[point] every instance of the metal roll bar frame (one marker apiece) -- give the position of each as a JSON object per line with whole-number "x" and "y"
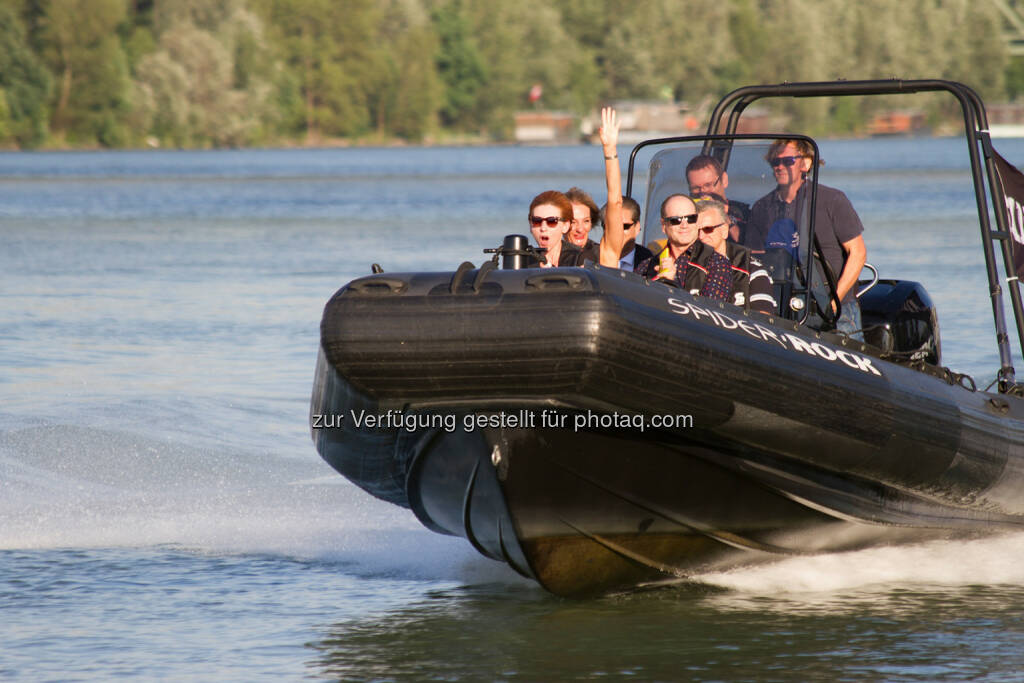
{"x": 812, "y": 244}
{"x": 979, "y": 144}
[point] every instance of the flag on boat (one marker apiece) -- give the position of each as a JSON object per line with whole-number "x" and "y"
{"x": 1012, "y": 181}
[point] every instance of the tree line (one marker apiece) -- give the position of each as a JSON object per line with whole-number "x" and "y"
{"x": 223, "y": 73}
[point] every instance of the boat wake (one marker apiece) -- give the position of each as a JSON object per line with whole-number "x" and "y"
{"x": 75, "y": 487}
{"x": 924, "y": 567}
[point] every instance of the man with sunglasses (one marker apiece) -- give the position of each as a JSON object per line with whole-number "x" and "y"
{"x": 751, "y": 283}
{"x": 837, "y": 226}
{"x": 705, "y": 175}
{"x": 632, "y": 253}
{"x": 686, "y": 261}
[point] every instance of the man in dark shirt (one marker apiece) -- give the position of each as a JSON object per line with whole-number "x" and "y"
{"x": 705, "y": 176}
{"x": 836, "y": 224}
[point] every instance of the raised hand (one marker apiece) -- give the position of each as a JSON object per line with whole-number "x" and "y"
{"x": 609, "y": 131}
{"x": 614, "y": 235}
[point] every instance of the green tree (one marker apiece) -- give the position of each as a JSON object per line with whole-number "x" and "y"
{"x": 327, "y": 47}
{"x": 24, "y": 85}
{"x": 747, "y": 44}
{"x": 523, "y": 45}
{"x": 161, "y": 110}
{"x": 460, "y": 68}
{"x": 230, "y": 72}
{"x": 137, "y": 32}
{"x": 204, "y": 85}
{"x": 981, "y": 57}
{"x": 81, "y": 44}
{"x": 1015, "y": 78}
{"x": 407, "y": 95}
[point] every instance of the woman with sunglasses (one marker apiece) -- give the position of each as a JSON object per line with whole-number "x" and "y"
{"x": 550, "y": 216}
{"x": 551, "y": 212}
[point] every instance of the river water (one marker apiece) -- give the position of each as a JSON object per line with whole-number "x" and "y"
{"x": 164, "y": 515}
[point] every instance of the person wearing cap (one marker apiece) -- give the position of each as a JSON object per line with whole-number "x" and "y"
{"x": 837, "y": 226}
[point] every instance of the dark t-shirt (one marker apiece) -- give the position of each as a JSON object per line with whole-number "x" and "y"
{"x": 835, "y": 222}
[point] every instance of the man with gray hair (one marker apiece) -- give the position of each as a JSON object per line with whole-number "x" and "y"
{"x": 751, "y": 285}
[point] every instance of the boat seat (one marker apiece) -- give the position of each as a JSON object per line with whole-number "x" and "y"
{"x": 779, "y": 264}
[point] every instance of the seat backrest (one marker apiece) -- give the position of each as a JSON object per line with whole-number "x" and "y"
{"x": 779, "y": 264}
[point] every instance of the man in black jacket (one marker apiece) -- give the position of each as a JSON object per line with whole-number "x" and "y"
{"x": 632, "y": 253}
{"x": 686, "y": 261}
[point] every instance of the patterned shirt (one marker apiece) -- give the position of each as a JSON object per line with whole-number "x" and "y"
{"x": 714, "y": 278}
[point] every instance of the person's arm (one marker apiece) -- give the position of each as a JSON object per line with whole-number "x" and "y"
{"x": 613, "y": 237}
{"x": 856, "y": 256}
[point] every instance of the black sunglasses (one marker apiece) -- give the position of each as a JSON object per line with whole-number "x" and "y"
{"x": 784, "y": 161}
{"x": 552, "y": 221}
{"x": 676, "y": 220}
{"x": 707, "y": 230}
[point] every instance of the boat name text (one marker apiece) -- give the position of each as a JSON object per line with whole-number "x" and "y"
{"x": 790, "y": 342}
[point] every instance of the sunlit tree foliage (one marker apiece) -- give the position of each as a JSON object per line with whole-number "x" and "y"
{"x": 24, "y": 85}
{"x": 81, "y": 46}
{"x": 238, "y": 72}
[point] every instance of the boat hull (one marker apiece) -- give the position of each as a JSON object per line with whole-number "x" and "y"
{"x": 598, "y": 432}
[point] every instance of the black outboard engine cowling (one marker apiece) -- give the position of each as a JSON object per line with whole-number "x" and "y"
{"x": 899, "y": 317}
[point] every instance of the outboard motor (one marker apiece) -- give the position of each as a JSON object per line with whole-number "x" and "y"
{"x": 899, "y": 317}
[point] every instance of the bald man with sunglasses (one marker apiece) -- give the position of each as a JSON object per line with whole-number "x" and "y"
{"x": 686, "y": 261}
{"x": 837, "y": 226}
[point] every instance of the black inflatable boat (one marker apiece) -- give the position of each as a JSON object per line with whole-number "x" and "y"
{"x": 599, "y": 432}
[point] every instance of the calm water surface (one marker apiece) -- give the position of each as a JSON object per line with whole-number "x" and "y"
{"x": 164, "y": 515}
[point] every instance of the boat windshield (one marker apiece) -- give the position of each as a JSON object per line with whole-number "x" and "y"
{"x": 779, "y": 241}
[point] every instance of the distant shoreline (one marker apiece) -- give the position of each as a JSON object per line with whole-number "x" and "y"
{"x": 336, "y": 144}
